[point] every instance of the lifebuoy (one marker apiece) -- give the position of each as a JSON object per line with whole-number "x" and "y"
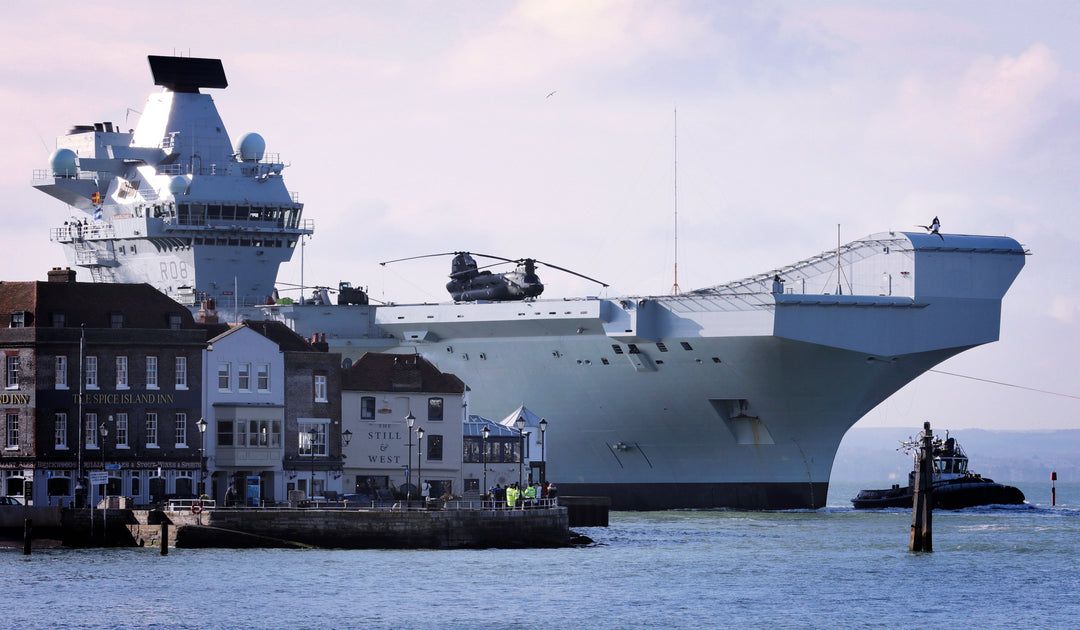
{"x": 196, "y": 508}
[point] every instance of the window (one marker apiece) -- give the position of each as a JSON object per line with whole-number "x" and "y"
{"x": 59, "y": 320}
{"x": 90, "y": 436}
{"x": 151, "y": 430}
{"x": 116, "y": 320}
{"x": 367, "y": 408}
{"x": 258, "y": 433}
{"x": 181, "y": 430}
{"x": 243, "y": 377}
{"x": 91, "y": 372}
{"x": 434, "y": 409}
{"x": 225, "y": 432}
{"x": 121, "y": 372}
{"x": 18, "y": 319}
{"x": 181, "y": 372}
{"x": 61, "y": 372}
{"x": 307, "y": 445}
{"x": 12, "y": 431}
{"x": 121, "y": 430}
{"x": 320, "y": 388}
{"x": 151, "y": 372}
{"x": 223, "y": 371}
{"x": 13, "y": 372}
{"x": 262, "y": 377}
{"x": 60, "y": 431}
{"x": 434, "y": 447}
{"x": 174, "y": 318}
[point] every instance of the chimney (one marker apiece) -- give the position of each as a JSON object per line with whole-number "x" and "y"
{"x": 57, "y": 274}
{"x": 207, "y": 314}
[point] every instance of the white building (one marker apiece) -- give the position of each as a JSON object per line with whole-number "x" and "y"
{"x": 244, "y": 393}
{"x": 380, "y": 393}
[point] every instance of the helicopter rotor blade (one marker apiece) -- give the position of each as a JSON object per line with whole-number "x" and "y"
{"x": 387, "y": 262}
{"x": 509, "y": 260}
{"x": 573, "y": 273}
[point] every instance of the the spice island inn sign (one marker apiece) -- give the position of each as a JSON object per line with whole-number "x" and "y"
{"x": 152, "y": 399}
{"x": 14, "y": 398}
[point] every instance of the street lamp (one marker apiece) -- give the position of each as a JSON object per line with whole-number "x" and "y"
{"x": 419, "y": 462}
{"x": 520, "y": 425}
{"x": 346, "y": 437}
{"x": 202, "y": 456}
{"x": 543, "y": 460}
{"x": 485, "y": 432}
{"x": 409, "y": 420}
{"x": 312, "y": 434}
{"x": 104, "y": 430}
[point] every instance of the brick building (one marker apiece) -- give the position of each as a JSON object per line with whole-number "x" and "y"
{"x": 312, "y": 440}
{"x": 98, "y": 377}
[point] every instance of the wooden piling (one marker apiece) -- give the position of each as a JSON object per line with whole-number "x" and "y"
{"x": 1053, "y": 489}
{"x": 164, "y": 538}
{"x": 922, "y": 538}
{"x": 28, "y": 536}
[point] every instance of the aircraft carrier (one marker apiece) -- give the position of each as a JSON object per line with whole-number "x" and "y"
{"x": 735, "y": 395}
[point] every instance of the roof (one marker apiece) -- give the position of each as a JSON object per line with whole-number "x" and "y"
{"x": 286, "y": 338}
{"x": 531, "y": 419}
{"x": 376, "y": 372}
{"x": 476, "y": 424}
{"x": 92, "y": 304}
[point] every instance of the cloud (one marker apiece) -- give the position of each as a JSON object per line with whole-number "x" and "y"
{"x": 1065, "y": 308}
{"x": 979, "y": 116}
{"x": 539, "y": 42}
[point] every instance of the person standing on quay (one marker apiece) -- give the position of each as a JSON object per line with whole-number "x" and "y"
{"x": 511, "y": 496}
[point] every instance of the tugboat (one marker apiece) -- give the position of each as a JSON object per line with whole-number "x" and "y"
{"x": 954, "y": 486}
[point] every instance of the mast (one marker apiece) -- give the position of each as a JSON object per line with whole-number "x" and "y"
{"x": 839, "y": 284}
{"x": 675, "y": 288}
{"x": 80, "y": 421}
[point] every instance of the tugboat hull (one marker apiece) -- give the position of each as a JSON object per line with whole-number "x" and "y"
{"x": 954, "y": 495}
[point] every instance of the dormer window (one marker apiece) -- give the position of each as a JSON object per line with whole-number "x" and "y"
{"x": 175, "y": 321}
{"x": 116, "y": 320}
{"x": 19, "y": 319}
{"x": 59, "y": 320}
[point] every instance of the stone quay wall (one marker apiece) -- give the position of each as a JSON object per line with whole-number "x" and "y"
{"x": 362, "y": 529}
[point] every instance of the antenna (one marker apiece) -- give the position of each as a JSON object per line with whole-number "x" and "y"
{"x": 675, "y": 288}
{"x": 839, "y": 283}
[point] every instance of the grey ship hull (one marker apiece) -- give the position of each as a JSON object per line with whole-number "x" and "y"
{"x": 734, "y": 396}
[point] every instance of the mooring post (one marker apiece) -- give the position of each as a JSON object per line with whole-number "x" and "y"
{"x": 923, "y": 501}
{"x": 28, "y": 535}
{"x": 164, "y": 538}
{"x": 1053, "y": 489}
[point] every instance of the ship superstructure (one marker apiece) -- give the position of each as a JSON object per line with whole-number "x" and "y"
{"x": 736, "y": 395}
{"x": 173, "y": 202}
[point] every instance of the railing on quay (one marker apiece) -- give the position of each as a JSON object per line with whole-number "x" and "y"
{"x": 190, "y": 505}
{"x": 474, "y": 505}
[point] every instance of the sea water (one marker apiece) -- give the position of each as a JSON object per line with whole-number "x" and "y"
{"x": 831, "y": 568}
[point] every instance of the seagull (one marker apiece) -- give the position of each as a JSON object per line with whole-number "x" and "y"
{"x": 551, "y": 93}
{"x": 934, "y": 228}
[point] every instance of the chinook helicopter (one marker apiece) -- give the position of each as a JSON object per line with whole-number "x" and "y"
{"x": 470, "y": 283}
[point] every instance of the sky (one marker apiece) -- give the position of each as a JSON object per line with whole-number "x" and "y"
{"x": 576, "y": 132}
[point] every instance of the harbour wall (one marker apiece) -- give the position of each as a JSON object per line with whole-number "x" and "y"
{"x": 358, "y": 529}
